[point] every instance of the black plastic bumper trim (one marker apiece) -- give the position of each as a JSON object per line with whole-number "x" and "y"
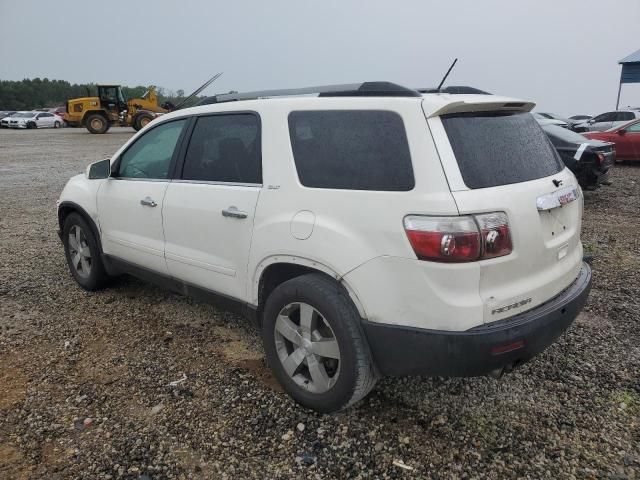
{"x": 400, "y": 351}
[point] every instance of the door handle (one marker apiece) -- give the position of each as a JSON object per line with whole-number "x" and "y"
{"x": 148, "y": 202}
{"x": 233, "y": 212}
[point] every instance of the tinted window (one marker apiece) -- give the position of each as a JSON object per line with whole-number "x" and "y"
{"x": 633, "y": 128}
{"x": 351, "y": 149}
{"x": 150, "y": 156}
{"x": 500, "y": 148}
{"x": 225, "y": 148}
{"x": 605, "y": 117}
{"x": 624, "y": 116}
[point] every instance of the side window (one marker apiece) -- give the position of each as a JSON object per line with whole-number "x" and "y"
{"x": 351, "y": 149}
{"x": 225, "y": 148}
{"x": 150, "y": 155}
{"x": 634, "y": 128}
{"x": 605, "y": 117}
{"x": 624, "y": 116}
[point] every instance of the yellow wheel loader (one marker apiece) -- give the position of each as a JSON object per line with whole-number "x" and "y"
{"x": 110, "y": 108}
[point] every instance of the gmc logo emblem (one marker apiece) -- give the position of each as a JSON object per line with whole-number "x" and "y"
{"x": 506, "y": 308}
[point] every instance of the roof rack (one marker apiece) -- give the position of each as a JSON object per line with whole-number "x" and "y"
{"x": 455, "y": 90}
{"x": 365, "y": 89}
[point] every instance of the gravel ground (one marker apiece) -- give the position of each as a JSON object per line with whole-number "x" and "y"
{"x": 85, "y": 378}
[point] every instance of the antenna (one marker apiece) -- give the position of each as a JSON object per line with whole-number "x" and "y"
{"x": 205, "y": 85}
{"x": 446, "y": 75}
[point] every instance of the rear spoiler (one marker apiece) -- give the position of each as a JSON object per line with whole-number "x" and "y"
{"x": 461, "y": 106}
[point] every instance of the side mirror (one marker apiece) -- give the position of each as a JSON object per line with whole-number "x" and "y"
{"x": 622, "y": 132}
{"x": 591, "y": 120}
{"x": 99, "y": 170}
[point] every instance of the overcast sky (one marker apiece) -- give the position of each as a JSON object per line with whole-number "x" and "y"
{"x": 561, "y": 54}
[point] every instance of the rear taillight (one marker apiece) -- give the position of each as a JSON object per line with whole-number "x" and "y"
{"x": 496, "y": 237}
{"x": 459, "y": 239}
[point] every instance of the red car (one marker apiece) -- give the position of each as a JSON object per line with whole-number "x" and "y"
{"x": 626, "y": 137}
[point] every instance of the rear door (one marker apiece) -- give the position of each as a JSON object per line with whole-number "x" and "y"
{"x": 209, "y": 211}
{"x": 497, "y": 161}
{"x": 130, "y": 201}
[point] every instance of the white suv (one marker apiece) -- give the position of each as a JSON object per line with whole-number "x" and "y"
{"x": 368, "y": 229}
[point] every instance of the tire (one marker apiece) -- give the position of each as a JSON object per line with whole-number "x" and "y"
{"x": 334, "y": 317}
{"x": 141, "y": 120}
{"x": 97, "y": 123}
{"x": 84, "y": 264}
{"x": 56, "y": 124}
{"x": 31, "y": 125}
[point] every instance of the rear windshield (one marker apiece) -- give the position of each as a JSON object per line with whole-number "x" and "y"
{"x": 500, "y": 148}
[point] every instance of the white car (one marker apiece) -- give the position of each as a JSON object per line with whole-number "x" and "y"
{"x": 369, "y": 230}
{"x": 545, "y": 120}
{"x": 608, "y": 120}
{"x": 34, "y": 120}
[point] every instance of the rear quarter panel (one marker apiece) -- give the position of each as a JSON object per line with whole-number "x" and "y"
{"x": 349, "y": 227}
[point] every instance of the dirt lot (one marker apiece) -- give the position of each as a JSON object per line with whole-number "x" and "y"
{"x": 85, "y": 377}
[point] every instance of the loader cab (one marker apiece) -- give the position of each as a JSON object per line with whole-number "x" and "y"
{"x": 111, "y": 97}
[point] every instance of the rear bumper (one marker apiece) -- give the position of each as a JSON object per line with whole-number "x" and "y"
{"x": 400, "y": 351}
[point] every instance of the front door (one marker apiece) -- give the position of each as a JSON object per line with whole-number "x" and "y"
{"x": 628, "y": 144}
{"x": 130, "y": 201}
{"x": 209, "y": 210}
{"x": 602, "y": 122}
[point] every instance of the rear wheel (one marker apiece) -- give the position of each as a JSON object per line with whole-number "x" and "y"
{"x": 315, "y": 345}
{"x": 83, "y": 254}
{"x": 97, "y": 123}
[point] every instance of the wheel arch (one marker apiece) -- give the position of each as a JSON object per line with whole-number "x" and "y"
{"x": 66, "y": 208}
{"x": 277, "y": 269}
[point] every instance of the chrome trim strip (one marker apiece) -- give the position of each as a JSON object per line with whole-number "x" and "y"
{"x": 211, "y": 182}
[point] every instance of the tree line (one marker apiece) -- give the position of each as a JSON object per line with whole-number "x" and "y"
{"x": 29, "y": 94}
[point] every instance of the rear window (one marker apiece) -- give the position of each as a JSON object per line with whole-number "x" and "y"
{"x": 561, "y": 136}
{"x": 496, "y": 148}
{"x": 351, "y": 149}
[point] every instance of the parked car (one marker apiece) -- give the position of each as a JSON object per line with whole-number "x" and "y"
{"x": 626, "y": 138}
{"x": 4, "y": 118}
{"x": 608, "y": 120}
{"x": 589, "y": 160}
{"x": 369, "y": 230}
{"x": 59, "y": 111}
{"x": 35, "y": 120}
{"x": 553, "y": 116}
{"x": 543, "y": 120}
{"x": 581, "y": 118}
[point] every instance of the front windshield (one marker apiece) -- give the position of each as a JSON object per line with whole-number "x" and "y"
{"x": 25, "y": 115}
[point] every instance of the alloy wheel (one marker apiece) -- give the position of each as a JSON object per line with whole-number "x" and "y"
{"x": 79, "y": 251}
{"x": 307, "y": 347}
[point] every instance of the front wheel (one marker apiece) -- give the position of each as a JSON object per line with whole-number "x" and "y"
{"x": 56, "y": 124}
{"x": 141, "y": 120}
{"x": 315, "y": 345}
{"x": 83, "y": 254}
